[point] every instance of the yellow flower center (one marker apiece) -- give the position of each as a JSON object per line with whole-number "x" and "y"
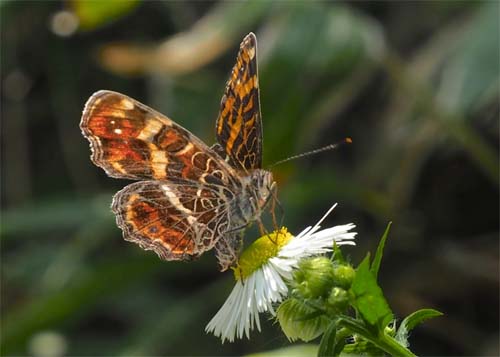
{"x": 260, "y": 251}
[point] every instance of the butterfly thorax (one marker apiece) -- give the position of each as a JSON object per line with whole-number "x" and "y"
{"x": 257, "y": 189}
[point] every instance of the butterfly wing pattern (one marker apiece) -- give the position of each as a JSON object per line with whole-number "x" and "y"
{"x": 239, "y": 125}
{"x": 188, "y": 198}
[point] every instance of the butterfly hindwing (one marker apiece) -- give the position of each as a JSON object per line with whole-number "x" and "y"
{"x": 179, "y": 221}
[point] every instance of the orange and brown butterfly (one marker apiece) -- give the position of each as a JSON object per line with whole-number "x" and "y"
{"x": 188, "y": 198}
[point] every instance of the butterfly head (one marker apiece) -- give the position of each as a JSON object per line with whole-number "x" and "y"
{"x": 265, "y": 188}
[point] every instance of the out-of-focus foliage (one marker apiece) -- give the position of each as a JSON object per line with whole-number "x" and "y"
{"x": 415, "y": 85}
{"x": 470, "y": 77}
{"x": 93, "y": 13}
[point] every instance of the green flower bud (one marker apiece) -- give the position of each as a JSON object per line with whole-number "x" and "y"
{"x": 390, "y": 329}
{"x": 343, "y": 275}
{"x": 300, "y": 321}
{"x": 314, "y": 277}
{"x": 338, "y": 300}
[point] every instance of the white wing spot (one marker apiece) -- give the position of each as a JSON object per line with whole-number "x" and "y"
{"x": 186, "y": 149}
{"x": 174, "y": 200}
{"x": 118, "y": 167}
{"x": 251, "y": 52}
{"x": 118, "y": 131}
{"x": 152, "y": 128}
{"x": 159, "y": 162}
{"x": 127, "y": 104}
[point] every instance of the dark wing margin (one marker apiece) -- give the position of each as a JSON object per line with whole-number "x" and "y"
{"x": 239, "y": 125}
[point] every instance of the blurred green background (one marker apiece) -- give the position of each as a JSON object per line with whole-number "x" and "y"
{"x": 414, "y": 84}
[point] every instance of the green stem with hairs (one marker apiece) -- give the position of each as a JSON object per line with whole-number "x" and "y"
{"x": 381, "y": 340}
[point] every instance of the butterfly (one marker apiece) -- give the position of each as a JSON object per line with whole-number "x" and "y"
{"x": 189, "y": 197}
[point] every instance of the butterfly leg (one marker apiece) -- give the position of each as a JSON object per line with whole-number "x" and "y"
{"x": 282, "y": 212}
{"x": 227, "y": 250}
{"x": 273, "y": 214}
{"x": 263, "y": 231}
{"x": 276, "y": 203}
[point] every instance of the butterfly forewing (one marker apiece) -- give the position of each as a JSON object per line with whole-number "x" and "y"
{"x": 130, "y": 140}
{"x": 239, "y": 124}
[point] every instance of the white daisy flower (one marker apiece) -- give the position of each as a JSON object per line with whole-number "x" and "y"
{"x": 263, "y": 270}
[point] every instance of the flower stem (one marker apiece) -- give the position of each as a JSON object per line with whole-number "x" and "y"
{"x": 381, "y": 340}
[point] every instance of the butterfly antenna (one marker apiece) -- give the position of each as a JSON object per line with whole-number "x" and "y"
{"x": 313, "y": 152}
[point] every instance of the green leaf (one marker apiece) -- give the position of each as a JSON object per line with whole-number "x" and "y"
{"x": 337, "y": 255}
{"x": 380, "y": 252}
{"x": 413, "y": 320}
{"x": 368, "y": 297}
{"x": 470, "y": 75}
{"x": 328, "y": 341}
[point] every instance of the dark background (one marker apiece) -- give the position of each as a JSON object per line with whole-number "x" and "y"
{"x": 414, "y": 84}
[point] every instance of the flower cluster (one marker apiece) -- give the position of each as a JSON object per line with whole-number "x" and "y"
{"x": 264, "y": 272}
